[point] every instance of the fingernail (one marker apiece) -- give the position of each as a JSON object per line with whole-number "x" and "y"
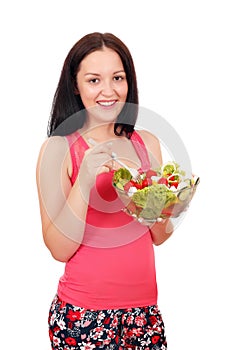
{"x": 92, "y": 142}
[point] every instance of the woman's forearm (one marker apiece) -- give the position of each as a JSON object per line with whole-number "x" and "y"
{"x": 64, "y": 234}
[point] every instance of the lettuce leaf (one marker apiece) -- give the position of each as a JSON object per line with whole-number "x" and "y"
{"x": 120, "y": 174}
{"x": 153, "y": 199}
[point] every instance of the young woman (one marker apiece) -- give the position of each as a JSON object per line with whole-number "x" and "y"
{"x": 107, "y": 296}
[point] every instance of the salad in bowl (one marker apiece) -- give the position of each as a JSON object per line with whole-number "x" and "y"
{"x": 158, "y": 194}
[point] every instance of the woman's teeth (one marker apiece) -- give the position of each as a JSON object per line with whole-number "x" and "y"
{"x": 106, "y": 103}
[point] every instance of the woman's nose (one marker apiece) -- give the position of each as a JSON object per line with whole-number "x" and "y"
{"x": 107, "y": 88}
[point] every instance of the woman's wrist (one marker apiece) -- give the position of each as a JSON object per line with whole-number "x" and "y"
{"x": 161, "y": 231}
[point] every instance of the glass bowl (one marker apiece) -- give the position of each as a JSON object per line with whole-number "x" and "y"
{"x": 156, "y": 201}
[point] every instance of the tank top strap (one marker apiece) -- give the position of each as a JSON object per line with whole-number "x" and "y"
{"x": 141, "y": 150}
{"x": 77, "y": 147}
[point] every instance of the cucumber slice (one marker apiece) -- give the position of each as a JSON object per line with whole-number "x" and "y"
{"x": 120, "y": 186}
{"x": 184, "y": 193}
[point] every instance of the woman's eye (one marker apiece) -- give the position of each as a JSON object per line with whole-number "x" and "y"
{"x": 94, "y": 81}
{"x": 118, "y": 78}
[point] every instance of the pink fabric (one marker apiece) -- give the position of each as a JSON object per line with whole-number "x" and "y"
{"x": 114, "y": 266}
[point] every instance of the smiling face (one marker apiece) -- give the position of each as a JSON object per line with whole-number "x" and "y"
{"x": 102, "y": 85}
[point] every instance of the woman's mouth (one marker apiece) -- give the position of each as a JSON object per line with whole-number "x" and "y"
{"x": 107, "y": 103}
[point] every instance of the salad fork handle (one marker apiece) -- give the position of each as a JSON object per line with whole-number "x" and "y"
{"x": 114, "y": 157}
{"x": 135, "y": 174}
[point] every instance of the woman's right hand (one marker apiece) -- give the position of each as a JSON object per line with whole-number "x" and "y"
{"x": 96, "y": 160}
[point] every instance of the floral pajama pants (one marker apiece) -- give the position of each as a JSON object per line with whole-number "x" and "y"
{"x": 73, "y": 328}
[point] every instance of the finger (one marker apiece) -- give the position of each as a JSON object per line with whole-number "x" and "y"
{"x": 103, "y": 169}
{"x": 98, "y": 159}
{"x": 102, "y": 160}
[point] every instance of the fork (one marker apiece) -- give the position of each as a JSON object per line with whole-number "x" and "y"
{"x": 134, "y": 172}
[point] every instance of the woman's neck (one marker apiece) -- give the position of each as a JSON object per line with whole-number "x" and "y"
{"x": 99, "y": 133}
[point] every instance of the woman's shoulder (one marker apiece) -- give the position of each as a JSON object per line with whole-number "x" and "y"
{"x": 53, "y": 144}
{"x": 54, "y": 147}
{"x": 149, "y": 139}
{"x": 152, "y": 143}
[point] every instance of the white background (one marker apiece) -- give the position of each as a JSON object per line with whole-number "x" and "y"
{"x": 183, "y": 56}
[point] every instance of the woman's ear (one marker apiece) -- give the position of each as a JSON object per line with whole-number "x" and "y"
{"x": 76, "y": 90}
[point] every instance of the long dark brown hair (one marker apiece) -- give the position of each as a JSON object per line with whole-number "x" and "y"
{"x": 66, "y": 103}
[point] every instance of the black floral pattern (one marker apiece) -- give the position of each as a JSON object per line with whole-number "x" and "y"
{"x": 73, "y": 328}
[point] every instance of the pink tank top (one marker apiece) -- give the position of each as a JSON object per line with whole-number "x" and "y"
{"x": 114, "y": 266}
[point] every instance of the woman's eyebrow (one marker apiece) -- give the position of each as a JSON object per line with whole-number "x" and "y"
{"x": 92, "y": 74}
{"x": 119, "y": 71}
{"x": 97, "y": 74}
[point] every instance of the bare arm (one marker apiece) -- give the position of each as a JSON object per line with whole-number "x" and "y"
{"x": 160, "y": 231}
{"x": 63, "y": 207}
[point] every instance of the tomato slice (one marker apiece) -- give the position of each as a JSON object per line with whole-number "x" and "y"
{"x": 138, "y": 185}
{"x": 163, "y": 181}
{"x": 146, "y": 182}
